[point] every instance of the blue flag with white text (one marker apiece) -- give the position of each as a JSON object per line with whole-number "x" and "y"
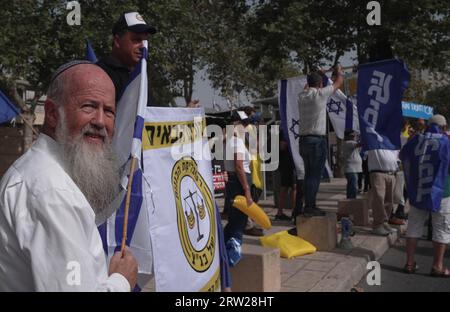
{"x": 426, "y": 159}
{"x": 7, "y": 109}
{"x": 380, "y": 91}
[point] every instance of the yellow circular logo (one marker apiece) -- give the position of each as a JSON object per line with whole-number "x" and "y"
{"x": 195, "y": 214}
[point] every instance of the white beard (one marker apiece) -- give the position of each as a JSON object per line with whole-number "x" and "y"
{"x": 92, "y": 167}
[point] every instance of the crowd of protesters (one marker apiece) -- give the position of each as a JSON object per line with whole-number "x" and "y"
{"x": 384, "y": 177}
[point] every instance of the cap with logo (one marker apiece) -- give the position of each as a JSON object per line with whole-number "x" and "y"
{"x": 438, "y": 120}
{"x": 134, "y": 22}
{"x": 237, "y": 115}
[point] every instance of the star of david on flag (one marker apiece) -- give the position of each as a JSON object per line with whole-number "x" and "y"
{"x": 342, "y": 112}
{"x": 295, "y": 128}
{"x": 334, "y": 106}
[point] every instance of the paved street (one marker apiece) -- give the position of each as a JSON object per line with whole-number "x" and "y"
{"x": 394, "y": 280}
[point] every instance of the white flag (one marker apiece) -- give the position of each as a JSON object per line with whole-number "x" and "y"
{"x": 183, "y": 226}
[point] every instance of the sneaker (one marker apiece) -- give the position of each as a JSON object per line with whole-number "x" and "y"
{"x": 445, "y": 272}
{"x": 293, "y": 231}
{"x": 282, "y": 217}
{"x": 254, "y": 231}
{"x": 396, "y": 221}
{"x": 380, "y": 231}
{"x": 401, "y": 215}
{"x": 313, "y": 212}
{"x": 389, "y": 228}
{"x": 233, "y": 247}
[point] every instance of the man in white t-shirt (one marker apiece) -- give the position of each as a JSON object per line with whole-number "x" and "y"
{"x": 237, "y": 164}
{"x": 313, "y": 145}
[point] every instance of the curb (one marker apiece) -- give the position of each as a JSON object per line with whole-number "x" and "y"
{"x": 349, "y": 272}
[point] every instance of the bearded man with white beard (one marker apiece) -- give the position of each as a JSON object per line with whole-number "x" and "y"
{"x": 51, "y": 197}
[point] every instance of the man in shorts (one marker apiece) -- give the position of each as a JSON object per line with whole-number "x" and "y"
{"x": 426, "y": 160}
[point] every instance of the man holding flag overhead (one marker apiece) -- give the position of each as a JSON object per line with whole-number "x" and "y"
{"x": 48, "y": 213}
{"x": 313, "y": 147}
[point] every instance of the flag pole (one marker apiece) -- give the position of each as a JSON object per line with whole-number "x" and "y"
{"x": 343, "y": 68}
{"x": 127, "y": 204}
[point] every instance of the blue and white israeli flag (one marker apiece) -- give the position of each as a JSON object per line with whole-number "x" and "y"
{"x": 127, "y": 143}
{"x": 288, "y": 91}
{"x": 342, "y": 112}
{"x": 380, "y": 90}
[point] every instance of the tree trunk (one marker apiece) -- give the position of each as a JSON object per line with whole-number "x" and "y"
{"x": 28, "y": 131}
{"x": 337, "y": 57}
{"x": 308, "y": 66}
{"x": 27, "y": 114}
{"x": 189, "y": 87}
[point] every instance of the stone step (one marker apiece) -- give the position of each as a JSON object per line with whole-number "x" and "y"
{"x": 259, "y": 270}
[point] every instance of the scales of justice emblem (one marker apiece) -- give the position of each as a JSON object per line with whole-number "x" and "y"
{"x": 196, "y": 206}
{"x": 195, "y": 210}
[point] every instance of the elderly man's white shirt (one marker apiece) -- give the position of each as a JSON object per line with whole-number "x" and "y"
{"x": 47, "y": 229}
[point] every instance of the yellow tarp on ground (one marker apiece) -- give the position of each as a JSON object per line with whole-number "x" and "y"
{"x": 290, "y": 246}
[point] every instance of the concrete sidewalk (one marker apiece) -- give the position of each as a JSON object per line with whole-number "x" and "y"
{"x": 337, "y": 270}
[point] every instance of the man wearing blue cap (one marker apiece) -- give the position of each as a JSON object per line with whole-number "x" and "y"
{"x": 129, "y": 33}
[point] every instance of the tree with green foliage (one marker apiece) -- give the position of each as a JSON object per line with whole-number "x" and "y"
{"x": 244, "y": 46}
{"x": 308, "y": 33}
{"x": 439, "y": 99}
